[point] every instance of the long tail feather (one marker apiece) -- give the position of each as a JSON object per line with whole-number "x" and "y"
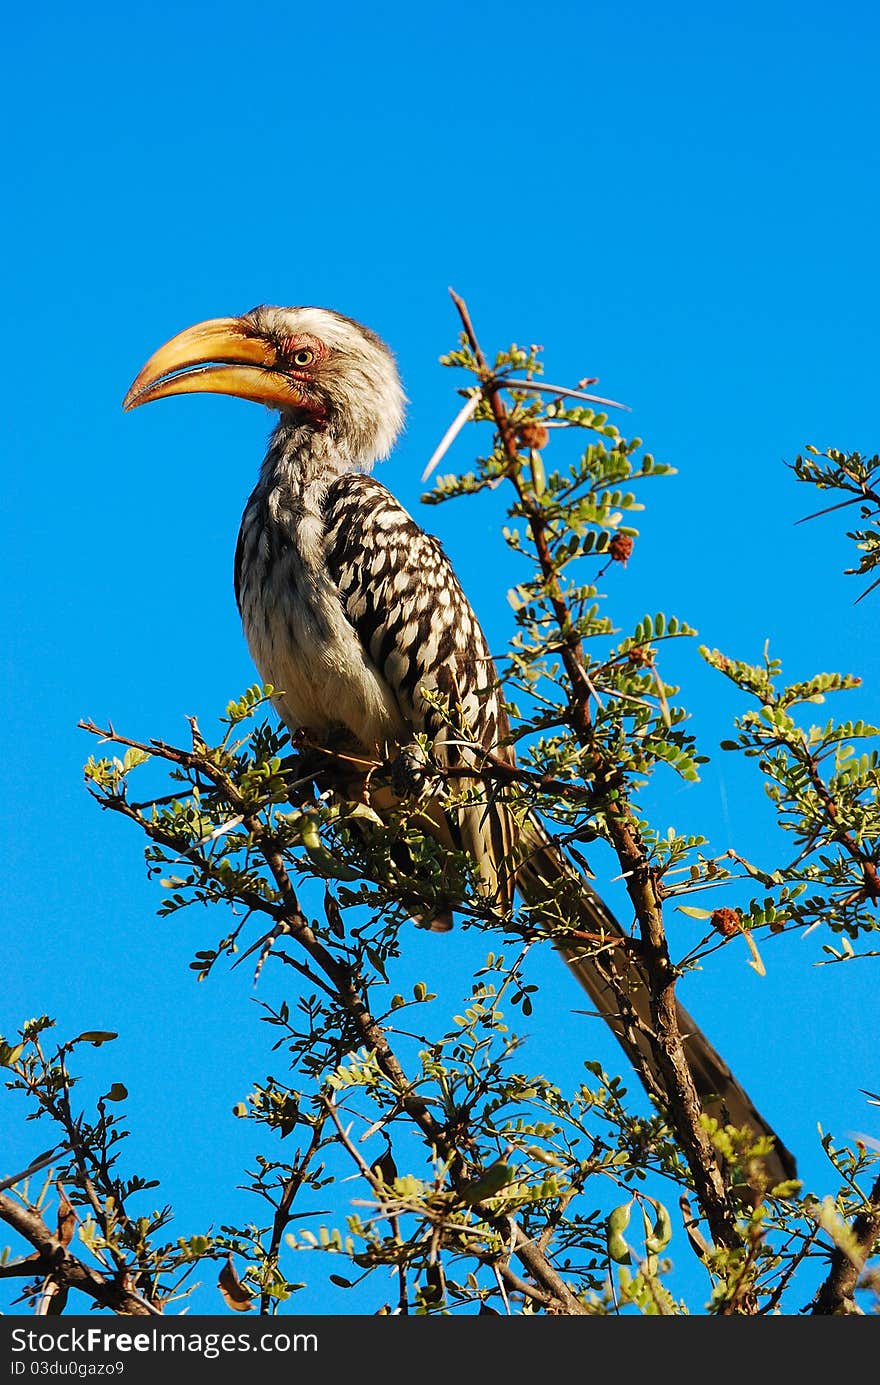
{"x": 610, "y": 973}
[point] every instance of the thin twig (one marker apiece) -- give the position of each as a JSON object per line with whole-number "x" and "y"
{"x": 39, "y": 1163}
{"x": 451, "y": 433}
{"x": 376, "y": 1184}
{"x": 853, "y": 500}
{"x": 292, "y": 1186}
{"x": 507, "y": 382}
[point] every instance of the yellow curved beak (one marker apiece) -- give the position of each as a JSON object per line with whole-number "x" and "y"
{"x": 221, "y": 356}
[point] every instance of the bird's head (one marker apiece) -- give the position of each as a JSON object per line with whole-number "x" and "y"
{"x": 316, "y": 367}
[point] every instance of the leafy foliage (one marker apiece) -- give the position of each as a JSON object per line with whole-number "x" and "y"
{"x": 858, "y": 478}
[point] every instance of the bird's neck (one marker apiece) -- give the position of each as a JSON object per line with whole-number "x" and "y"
{"x": 302, "y": 461}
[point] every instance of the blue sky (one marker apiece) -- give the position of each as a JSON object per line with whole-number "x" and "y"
{"x": 680, "y": 200}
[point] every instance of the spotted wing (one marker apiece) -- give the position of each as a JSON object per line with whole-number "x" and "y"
{"x": 404, "y": 601}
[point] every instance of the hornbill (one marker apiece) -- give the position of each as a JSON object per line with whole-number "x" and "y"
{"x": 354, "y": 613}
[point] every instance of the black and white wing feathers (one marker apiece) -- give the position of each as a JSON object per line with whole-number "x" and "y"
{"x": 400, "y": 593}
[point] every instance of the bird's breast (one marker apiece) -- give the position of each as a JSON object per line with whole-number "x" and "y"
{"x": 297, "y": 630}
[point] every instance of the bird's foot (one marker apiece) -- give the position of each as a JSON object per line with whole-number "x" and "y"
{"x": 409, "y": 774}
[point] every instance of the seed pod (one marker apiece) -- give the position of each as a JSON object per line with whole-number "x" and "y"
{"x": 490, "y": 1182}
{"x": 309, "y": 834}
{"x": 662, "y": 1233}
{"x": 617, "y": 1222}
{"x": 539, "y": 478}
{"x": 237, "y": 1296}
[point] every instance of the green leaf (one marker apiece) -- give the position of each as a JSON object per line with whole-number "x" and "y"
{"x": 134, "y": 757}
{"x": 10, "y": 1054}
{"x": 95, "y": 1037}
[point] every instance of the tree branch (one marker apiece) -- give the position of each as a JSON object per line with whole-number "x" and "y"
{"x": 55, "y": 1260}
{"x": 836, "y": 1295}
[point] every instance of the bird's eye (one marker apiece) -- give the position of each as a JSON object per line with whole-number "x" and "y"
{"x": 304, "y": 356}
